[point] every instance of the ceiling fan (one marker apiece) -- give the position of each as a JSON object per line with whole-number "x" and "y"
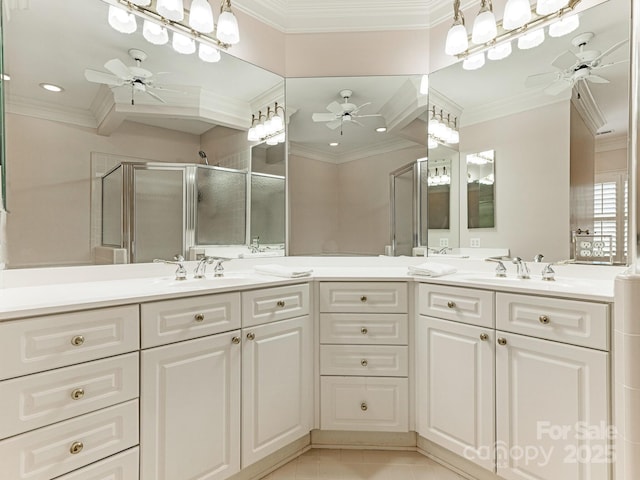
{"x": 574, "y": 67}
{"x": 342, "y": 113}
{"x": 138, "y": 78}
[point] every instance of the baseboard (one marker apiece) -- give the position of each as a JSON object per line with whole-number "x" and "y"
{"x": 371, "y": 440}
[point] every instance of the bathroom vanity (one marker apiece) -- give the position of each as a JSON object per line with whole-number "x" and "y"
{"x": 145, "y": 377}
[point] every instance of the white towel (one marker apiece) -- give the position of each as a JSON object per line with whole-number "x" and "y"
{"x": 431, "y": 269}
{"x": 282, "y": 271}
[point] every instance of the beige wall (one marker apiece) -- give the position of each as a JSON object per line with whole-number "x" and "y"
{"x": 582, "y": 172}
{"x": 532, "y": 181}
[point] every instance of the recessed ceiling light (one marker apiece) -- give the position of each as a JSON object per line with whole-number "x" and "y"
{"x": 334, "y": 144}
{"x": 381, "y": 129}
{"x": 5, "y": 77}
{"x": 52, "y": 88}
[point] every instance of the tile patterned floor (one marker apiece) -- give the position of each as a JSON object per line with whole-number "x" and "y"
{"x": 329, "y": 464}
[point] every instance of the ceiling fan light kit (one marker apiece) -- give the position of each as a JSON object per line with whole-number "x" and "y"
{"x": 169, "y": 15}
{"x": 520, "y": 21}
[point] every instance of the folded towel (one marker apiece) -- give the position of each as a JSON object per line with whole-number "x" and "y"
{"x": 282, "y": 271}
{"x": 431, "y": 269}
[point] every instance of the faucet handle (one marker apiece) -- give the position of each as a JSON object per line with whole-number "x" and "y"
{"x": 548, "y": 273}
{"x": 538, "y": 258}
{"x": 181, "y": 272}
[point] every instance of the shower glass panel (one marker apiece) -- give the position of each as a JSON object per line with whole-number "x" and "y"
{"x": 112, "y": 208}
{"x": 267, "y": 208}
{"x": 158, "y": 213}
{"x": 403, "y": 238}
{"x": 221, "y": 206}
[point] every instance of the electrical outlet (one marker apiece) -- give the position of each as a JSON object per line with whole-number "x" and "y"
{"x": 475, "y": 243}
{"x": 444, "y": 242}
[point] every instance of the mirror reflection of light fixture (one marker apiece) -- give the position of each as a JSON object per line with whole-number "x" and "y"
{"x": 531, "y": 39}
{"x": 499, "y": 51}
{"x": 564, "y": 26}
{"x": 517, "y": 13}
{"x": 183, "y": 44}
{"x": 268, "y": 127}
{"x": 121, "y": 20}
{"x": 209, "y": 54}
{"x": 154, "y": 33}
{"x": 442, "y": 128}
{"x": 473, "y": 62}
{"x": 171, "y": 9}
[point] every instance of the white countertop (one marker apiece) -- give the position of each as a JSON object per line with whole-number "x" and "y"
{"x": 32, "y": 292}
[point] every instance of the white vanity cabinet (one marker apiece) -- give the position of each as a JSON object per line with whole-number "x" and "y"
{"x": 190, "y": 389}
{"x": 364, "y": 356}
{"x": 69, "y": 393}
{"x": 277, "y": 369}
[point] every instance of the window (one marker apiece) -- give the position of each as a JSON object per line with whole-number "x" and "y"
{"x": 610, "y": 212}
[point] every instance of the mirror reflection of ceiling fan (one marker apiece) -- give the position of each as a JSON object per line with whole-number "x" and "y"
{"x": 342, "y": 113}
{"x": 574, "y": 67}
{"x": 138, "y": 78}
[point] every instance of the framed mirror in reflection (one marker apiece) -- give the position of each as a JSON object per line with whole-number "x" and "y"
{"x": 58, "y": 145}
{"x": 481, "y": 189}
{"x": 557, "y": 118}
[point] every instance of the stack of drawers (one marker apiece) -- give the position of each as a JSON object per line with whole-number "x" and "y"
{"x": 364, "y": 356}
{"x": 69, "y": 395}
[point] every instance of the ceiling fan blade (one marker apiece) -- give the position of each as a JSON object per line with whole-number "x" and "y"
{"x": 119, "y": 69}
{"x": 611, "y": 64}
{"x": 104, "y": 78}
{"x": 363, "y": 105}
{"x": 164, "y": 89}
{"x": 353, "y": 120}
{"x": 540, "y": 79}
{"x": 335, "y": 124}
{"x": 565, "y": 60}
{"x": 323, "y": 117}
{"x": 153, "y": 95}
{"x": 368, "y": 115}
{"x": 335, "y": 108}
{"x": 597, "y": 79}
{"x": 140, "y": 72}
{"x": 608, "y": 51}
{"x": 558, "y": 86}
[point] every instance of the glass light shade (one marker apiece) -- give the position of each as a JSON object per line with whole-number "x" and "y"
{"x": 272, "y": 141}
{"x": 268, "y": 127}
{"x": 564, "y": 26}
{"x": 531, "y": 39}
{"x": 201, "y": 16}
{"x": 121, "y": 20}
{"x": 171, "y": 9}
{"x": 260, "y": 131}
{"x": 142, "y": 3}
{"x": 457, "y": 40}
{"x": 499, "y": 51}
{"x": 516, "y": 14}
{"x": 432, "y": 144}
{"x": 281, "y": 138}
{"x": 208, "y": 53}
{"x": 183, "y": 44}
{"x": 484, "y": 28}
{"x": 424, "y": 85}
{"x": 474, "y": 61}
{"x": 440, "y": 131}
{"x": 155, "y": 33}
{"x": 252, "y": 135}
{"x": 455, "y": 137}
{"x": 545, "y": 7}
{"x": 228, "y": 28}
{"x": 278, "y": 123}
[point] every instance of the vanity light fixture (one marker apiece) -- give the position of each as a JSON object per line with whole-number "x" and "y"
{"x": 424, "y": 85}
{"x": 51, "y": 87}
{"x": 334, "y": 144}
{"x": 442, "y": 129}
{"x": 191, "y": 28}
{"x": 5, "y": 77}
{"x": 520, "y": 21}
{"x": 268, "y": 127}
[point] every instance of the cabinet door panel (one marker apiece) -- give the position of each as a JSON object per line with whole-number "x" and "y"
{"x": 455, "y": 367}
{"x": 548, "y": 395}
{"x": 190, "y": 415}
{"x": 277, "y": 386}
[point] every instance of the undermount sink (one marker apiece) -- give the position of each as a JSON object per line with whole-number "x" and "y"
{"x": 533, "y": 282}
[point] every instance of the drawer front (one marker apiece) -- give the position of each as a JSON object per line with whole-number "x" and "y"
{"x": 568, "y": 321}
{"x": 363, "y": 297}
{"x": 364, "y": 360}
{"x": 123, "y": 466}
{"x": 34, "y": 401}
{"x": 171, "y": 321}
{"x": 43, "y": 343}
{"x": 49, "y": 452}
{"x": 271, "y": 304}
{"x": 459, "y": 304}
{"x": 364, "y": 403}
{"x": 364, "y": 329}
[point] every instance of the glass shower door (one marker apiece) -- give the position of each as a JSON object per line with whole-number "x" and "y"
{"x": 403, "y": 211}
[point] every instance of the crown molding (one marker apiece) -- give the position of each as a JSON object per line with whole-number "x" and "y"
{"x": 582, "y": 99}
{"x": 322, "y": 155}
{"x": 608, "y": 144}
{"x": 31, "y": 107}
{"x": 405, "y": 106}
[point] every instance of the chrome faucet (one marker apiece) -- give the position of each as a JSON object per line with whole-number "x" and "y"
{"x": 218, "y": 269}
{"x": 255, "y": 245}
{"x": 201, "y": 269}
{"x": 444, "y": 250}
{"x": 538, "y": 258}
{"x": 501, "y": 270}
{"x": 548, "y": 273}
{"x": 181, "y": 272}
{"x": 522, "y": 270}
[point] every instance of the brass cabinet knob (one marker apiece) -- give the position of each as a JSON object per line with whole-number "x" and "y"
{"x": 280, "y": 303}
{"x": 235, "y": 340}
{"x": 363, "y": 406}
{"x": 363, "y": 298}
{"x": 502, "y": 341}
{"x": 484, "y": 337}
{"x": 77, "y": 340}
{"x": 76, "y": 447}
{"x": 199, "y": 317}
{"x": 251, "y": 335}
{"x": 364, "y": 363}
{"x": 77, "y": 393}
{"x": 364, "y": 331}
{"x": 544, "y": 319}
{"x": 451, "y": 304}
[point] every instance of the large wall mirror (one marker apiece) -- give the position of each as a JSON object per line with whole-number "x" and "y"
{"x": 59, "y": 144}
{"x": 347, "y": 137}
{"x": 558, "y": 123}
